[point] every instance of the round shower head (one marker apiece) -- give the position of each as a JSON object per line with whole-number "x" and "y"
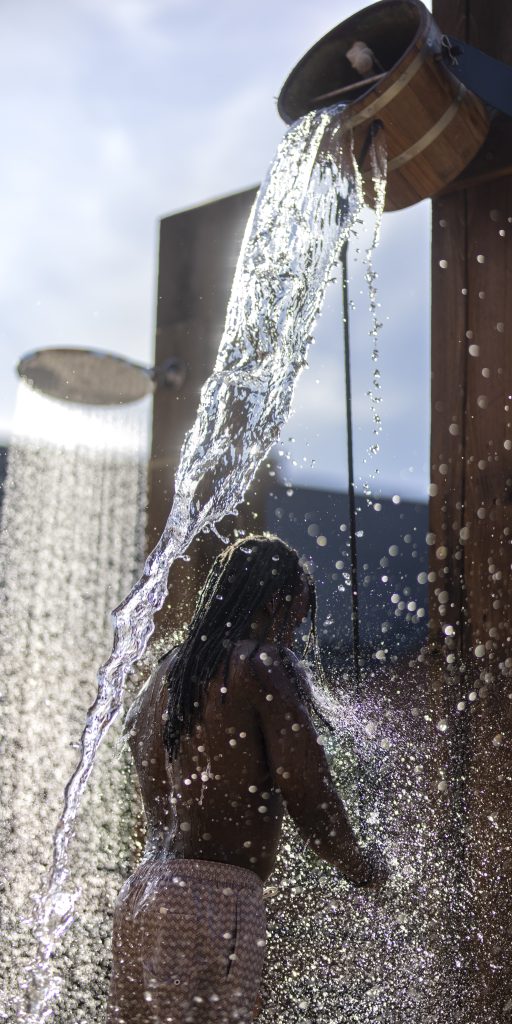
{"x": 91, "y": 377}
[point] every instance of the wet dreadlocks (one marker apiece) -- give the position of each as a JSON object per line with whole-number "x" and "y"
{"x": 244, "y": 578}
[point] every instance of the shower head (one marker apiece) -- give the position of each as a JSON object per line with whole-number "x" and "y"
{"x": 91, "y": 377}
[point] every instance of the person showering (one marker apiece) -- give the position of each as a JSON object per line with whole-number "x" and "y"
{"x": 223, "y": 740}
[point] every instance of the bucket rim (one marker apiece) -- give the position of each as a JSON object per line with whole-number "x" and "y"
{"x": 426, "y": 26}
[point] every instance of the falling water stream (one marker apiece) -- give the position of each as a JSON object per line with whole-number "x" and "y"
{"x": 303, "y": 213}
{"x": 386, "y": 957}
{"x": 72, "y": 472}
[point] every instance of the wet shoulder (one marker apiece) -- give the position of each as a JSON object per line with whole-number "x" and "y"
{"x": 270, "y": 673}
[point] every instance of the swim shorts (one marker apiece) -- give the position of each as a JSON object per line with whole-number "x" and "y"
{"x": 188, "y": 944}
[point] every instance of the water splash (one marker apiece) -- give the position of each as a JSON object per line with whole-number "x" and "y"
{"x": 302, "y": 215}
{"x": 389, "y": 955}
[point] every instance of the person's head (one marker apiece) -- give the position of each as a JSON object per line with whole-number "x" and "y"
{"x": 256, "y": 589}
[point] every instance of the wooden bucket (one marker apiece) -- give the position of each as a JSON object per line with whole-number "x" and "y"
{"x": 433, "y": 125}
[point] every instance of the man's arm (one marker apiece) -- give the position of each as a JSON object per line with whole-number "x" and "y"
{"x": 300, "y": 769}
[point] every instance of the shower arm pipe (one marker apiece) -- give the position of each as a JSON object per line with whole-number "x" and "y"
{"x": 356, "y": 644}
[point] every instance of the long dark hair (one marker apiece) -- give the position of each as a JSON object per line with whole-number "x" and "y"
{"x": 245, "y": 577}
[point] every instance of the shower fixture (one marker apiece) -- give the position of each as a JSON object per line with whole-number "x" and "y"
{"x": 93, "y": 377}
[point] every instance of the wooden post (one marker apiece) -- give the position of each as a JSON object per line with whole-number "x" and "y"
{"x": 471, "y": 530}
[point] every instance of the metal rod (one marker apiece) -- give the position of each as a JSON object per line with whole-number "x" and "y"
{"x": 351, "y": 483}
{"x": 361, "y": 783}
{"x": 349, "y": 88}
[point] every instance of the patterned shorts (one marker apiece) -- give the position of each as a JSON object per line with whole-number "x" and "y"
{"x": 188, "y": 944}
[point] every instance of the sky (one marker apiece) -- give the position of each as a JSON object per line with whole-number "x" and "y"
{"x": 115, "y": 113}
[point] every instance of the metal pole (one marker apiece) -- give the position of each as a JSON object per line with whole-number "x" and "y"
{"x": 351, "y": 483}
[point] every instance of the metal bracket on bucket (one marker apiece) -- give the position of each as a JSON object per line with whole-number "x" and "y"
{"x": 488, "y": 78}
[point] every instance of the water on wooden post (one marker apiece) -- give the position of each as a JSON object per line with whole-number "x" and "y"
{"x": 72, "y": 542}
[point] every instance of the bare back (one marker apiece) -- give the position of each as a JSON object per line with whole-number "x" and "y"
{"x": 218, "y": 800}
{"x": 254, "y": 753}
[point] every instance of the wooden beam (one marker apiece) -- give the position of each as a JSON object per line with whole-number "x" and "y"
{"x": 448, "y": 375}
{"x": 471, "y": 517}
{"x": 493, "y": 161}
